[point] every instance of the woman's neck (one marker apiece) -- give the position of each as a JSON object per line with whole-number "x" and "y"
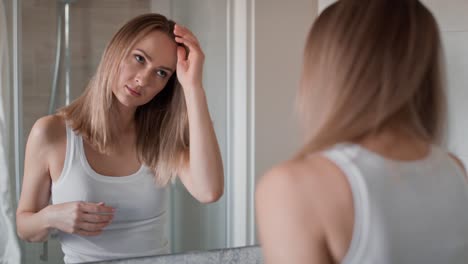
{"x": 398, "y": 144}
{"x": 125, "y": 118}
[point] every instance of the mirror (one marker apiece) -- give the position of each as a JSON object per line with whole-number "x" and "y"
{"x": 62, "y": 44}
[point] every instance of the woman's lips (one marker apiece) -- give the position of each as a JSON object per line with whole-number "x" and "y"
{"x": 132, "y": 92}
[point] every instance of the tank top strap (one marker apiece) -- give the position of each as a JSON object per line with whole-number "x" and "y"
{"x": 70, "y": 153}
{"x": 460, "y": 168}
{"x": 72, "y": 143}
{"x": 342, "y": 156}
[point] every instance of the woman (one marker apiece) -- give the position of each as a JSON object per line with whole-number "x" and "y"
{"x": 370, "y": 185}
{"x": 105, "y": 159}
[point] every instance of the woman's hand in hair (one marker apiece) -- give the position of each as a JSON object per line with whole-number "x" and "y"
{"x": 81, "y": 218}
{"x": 203, "y": 173}
{"x": 189, "y": 66}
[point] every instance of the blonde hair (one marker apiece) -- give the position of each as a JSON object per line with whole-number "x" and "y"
{"x": 162, "y": 139}
{"x": 371, "y": 65}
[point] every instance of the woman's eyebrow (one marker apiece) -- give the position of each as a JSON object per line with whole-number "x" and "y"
{"x": 166, "y": 68}
{"x": 151, "y": 59}
{"x": 146, "y": 55}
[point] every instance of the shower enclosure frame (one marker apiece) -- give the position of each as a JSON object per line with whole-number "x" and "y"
{"x": 17, "y": 97}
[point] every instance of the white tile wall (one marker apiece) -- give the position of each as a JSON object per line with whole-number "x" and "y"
{"x": 464, "y": 159}
{"x": 450, "y": 14}
{"x": 453, "y": 21}
{"x": 324, "y": 3}
{"x": 456, "y": 53}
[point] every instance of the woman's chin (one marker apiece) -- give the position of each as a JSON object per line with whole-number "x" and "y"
{"x": 129, "y": 102}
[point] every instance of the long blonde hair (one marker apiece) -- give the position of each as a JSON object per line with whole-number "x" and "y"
{"x": 371, "y": 65}
{"x": 162, "y": 139}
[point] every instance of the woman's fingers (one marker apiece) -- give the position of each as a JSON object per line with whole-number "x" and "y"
{"x": 181, "y": 55}
{"x": 100, "y": 208}
{"x": 193, "y": 47}
{"x": 91, "y": 224}
{"x": 189, "y": 66}
{"x": 184, "y": 32}
{"x": 93, "y": 218}
{"x": 96, "y": 218}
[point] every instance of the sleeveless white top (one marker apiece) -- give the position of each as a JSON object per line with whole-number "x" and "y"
{"x": 406, "y": 212}
{"x": 138, "y": 226}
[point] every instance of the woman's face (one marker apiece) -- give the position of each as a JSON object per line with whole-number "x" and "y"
{"x": 145, "y": 71}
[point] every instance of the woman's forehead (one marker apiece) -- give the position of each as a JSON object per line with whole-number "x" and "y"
{"x": 160, "y": 48}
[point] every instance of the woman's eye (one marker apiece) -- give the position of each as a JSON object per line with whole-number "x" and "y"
{"x": 139, "y": 58}
{"x": 161, "y": 73}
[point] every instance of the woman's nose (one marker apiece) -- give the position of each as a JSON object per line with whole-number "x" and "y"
{"x": 142, "y": 78}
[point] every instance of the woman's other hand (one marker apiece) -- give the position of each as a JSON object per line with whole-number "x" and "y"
{"x": 189, "y": 68}
{"x": 81, "y": 218}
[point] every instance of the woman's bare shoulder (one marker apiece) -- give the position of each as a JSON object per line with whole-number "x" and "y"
{"x": 315, "y": 185}
{"x": 48, "y": 130}
{"x": 314, "y": 197}
{"x": 298, "y": 201}
{"x": 313, "y": 175}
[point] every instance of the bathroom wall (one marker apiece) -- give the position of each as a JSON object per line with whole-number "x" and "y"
{"x": 280, "y": 29}
{"x": 280, "y": 33}
{"x": 453, "y": 22}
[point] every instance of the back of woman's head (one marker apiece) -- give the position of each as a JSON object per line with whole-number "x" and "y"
{"x": 370, "y": 65}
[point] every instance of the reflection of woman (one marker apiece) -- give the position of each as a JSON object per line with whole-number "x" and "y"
{"x": 370, "y": 185}
{"x": 104, "y": 159}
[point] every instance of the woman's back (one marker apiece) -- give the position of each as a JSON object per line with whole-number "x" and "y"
{"x": 405, "y": 211}
{"x": 388, "y": 199}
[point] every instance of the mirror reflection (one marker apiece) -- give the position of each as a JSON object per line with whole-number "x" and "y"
{"x": 85, "y": 59}
{"x": 107, "y": 157}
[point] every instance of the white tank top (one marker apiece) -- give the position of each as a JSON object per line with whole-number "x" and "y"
{"x": 138, "y": 227}
{"x": 406, "y": 212}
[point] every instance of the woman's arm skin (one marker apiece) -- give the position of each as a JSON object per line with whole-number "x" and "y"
{"x": 34, "y": 216}
{"x": 204, "y": 175}
{"x": 305, "y": 212}
{"x": 289, "y": 230}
